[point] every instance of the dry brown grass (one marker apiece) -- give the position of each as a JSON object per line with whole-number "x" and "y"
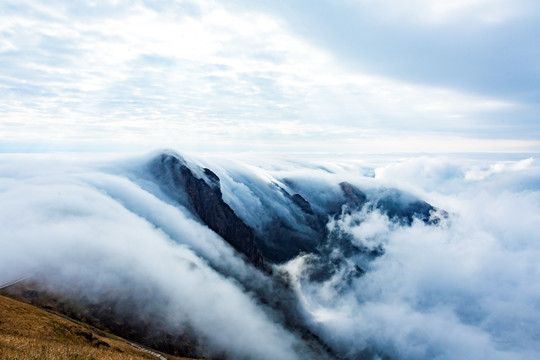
{"x": 30, "y": 333}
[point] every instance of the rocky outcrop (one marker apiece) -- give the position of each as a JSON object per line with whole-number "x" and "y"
{"x": 204, "y": 197}
{"x": 403, "y": 208}
{"x": 354, "y": 197}
{"x": 398, "y": 206}
{"x": 292, "y": 227}
{"x": 302, "y": 203}
{"x": 406, "y": 213}
{"x": 214, "y": 212}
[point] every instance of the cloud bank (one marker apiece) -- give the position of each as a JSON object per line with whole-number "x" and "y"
{"x": 97, "y": 232}
{"x": 464, "y": 288}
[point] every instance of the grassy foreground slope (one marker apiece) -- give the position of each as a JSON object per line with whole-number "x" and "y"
{"x": 30, "y": 333}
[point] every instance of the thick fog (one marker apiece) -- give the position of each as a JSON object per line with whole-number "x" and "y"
{"x": 83, "y": 224}
{"x": 466, "y": 287}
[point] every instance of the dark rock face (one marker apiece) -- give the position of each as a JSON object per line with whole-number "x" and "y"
{"x": 396, "y": 205}
{"x": 280, "y": 242}
{"x": 302, "y": 203}
{"x": 354, "y": 198}
{"x": 207, "y": 202}
{"x": 403, "y": 209}
{"x": 214, "y": 212}
{"x": 406, "y": 213}
{"x": 214, "y": 179}
{"x": 296, "y": 229}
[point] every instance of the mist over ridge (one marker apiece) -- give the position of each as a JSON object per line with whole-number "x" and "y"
{"x": 415, "y": 258}
{"x": 261, "y": 180}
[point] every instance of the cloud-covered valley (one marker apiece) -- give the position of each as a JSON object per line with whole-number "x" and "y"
{"x": 375, "y": 284}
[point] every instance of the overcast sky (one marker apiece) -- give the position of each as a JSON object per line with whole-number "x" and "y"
{"x": 350, "y": 76}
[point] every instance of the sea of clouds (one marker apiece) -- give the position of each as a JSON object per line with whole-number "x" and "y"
{"x": 465, "y": 288}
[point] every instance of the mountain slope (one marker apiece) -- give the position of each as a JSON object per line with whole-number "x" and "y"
{"x": 198, "y": 257}
{"x": 28, "y": 333}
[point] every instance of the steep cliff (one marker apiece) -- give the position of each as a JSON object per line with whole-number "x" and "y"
{"x": 203, "y": 196}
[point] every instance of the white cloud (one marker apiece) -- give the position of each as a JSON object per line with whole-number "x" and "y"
{"x": 465, "y": 288}
{"x": 441, "y": 12}
{"x": 74, "y": 223}
{"x": 134, "y": 76}
{"x": 462, "y": 289}
{"x": 500, "y": 167}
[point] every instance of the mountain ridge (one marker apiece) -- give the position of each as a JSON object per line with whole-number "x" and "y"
{"x": 279, "y": 239}
{"x": 269, "y": 221}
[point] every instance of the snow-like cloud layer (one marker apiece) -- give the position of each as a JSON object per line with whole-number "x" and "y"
{"x": 84, "y": 228}
{"x": 465, "y": 288}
